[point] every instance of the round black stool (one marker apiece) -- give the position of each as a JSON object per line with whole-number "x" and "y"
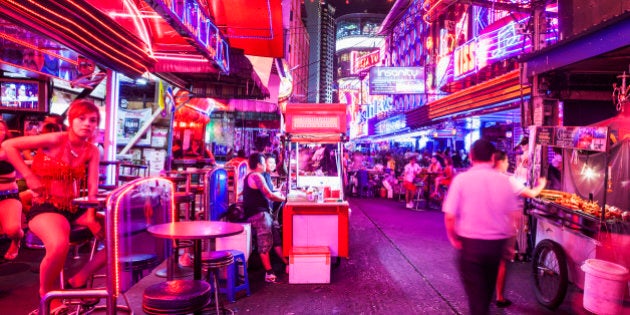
{"x": 213, "y": 262}
{"x": 137, "y": 264}
{"x": 176, "y": 297}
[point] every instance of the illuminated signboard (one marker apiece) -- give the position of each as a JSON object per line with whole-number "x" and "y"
{"x": 315, "y": 118}
{"x": 361, "y": 63}
{"x": 192, "y": 23}
{"x": 465, "y": 58}
{"x": 390, "y": 125}
{"x": 396, "y": 80}
{"x": 497, "y": 42}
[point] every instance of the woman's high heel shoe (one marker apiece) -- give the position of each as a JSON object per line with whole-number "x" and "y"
{"x": 13, "y": 251}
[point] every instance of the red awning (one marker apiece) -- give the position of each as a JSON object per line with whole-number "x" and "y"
{"x": 84, "y": 29}
{"x": 252, "y": 25}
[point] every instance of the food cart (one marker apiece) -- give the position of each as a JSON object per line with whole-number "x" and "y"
{"x": 585, "y": 219}
{"x": 316, "y": 214}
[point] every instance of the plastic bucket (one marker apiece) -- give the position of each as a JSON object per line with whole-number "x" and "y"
{"x": 604, "y": 286}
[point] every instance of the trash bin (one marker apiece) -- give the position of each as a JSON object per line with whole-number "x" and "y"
{"x": 604, "y": 286}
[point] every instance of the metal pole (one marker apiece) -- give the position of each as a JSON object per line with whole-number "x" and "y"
{"x": 111, "y": 107}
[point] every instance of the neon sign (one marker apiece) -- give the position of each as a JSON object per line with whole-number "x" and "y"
{"x": 497, "y": 42}
{"x": 361, "y": 63}
{"x": 396, "y": 80}
{"x": 390, "y": 125}
{"x": 192, "y": 23}
{"x": 465, "y": 58}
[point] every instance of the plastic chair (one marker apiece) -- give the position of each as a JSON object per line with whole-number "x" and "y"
{"x": 364, "y": 188}
{"x": 233, "y": 282}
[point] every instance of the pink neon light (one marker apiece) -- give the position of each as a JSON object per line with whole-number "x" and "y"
{"x": 34, "y": 47}
{"x": 66, "y": 29}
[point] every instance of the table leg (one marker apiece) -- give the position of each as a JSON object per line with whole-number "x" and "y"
{"x": 197, "y": 259}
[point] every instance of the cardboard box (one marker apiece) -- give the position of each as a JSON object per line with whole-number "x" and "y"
{"x": 242, "y": 241}
{"x": 309, "y": 265}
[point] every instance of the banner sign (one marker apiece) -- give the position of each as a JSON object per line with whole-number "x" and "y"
{"x": 396, "y": 80}
{"x": 390, "y": 125}
{"x": 362, "y": 63}
{"x": 316, "y": 118}
{"x": 581, "y": 138}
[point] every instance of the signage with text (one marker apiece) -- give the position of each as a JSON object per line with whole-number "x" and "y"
{"x": 396, "y": 80}
{"x": 362, "y": 63}
{"x": 315, "y": 118}
{"x": 582, "y": 138}
{"x": 188, "y": 16}
{"x": 390, "y": 125}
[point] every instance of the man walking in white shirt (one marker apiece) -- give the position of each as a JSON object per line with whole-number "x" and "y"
{"x": 480, "y": 211}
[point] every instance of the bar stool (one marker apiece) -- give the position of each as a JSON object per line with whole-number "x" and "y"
{"x": 233, "y": 282}
{"x": 137, "y": 264}
{"x": 213, "y": 262}
{"x": 176, "y": 297}
{"x": 419, "y": 196}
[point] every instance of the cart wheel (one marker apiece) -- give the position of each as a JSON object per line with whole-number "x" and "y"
{"x": 550, "y": 274}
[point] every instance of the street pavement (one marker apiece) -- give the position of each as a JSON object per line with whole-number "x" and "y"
{"x": 400, "y": 263}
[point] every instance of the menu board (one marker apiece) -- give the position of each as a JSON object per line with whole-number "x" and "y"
{"x": 582, "y": 138}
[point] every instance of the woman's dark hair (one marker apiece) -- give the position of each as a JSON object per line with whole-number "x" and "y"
{"x": 240, "y": 153}
{"x": 50, "y": 127}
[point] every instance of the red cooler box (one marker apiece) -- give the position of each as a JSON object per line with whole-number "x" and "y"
{"x": 309, "y": 265}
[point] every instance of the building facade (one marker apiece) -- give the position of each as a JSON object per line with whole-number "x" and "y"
{"x": 358, "y": 48}
{"x": 321, "y": 29}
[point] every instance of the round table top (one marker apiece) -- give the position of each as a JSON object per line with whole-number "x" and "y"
{"x": 195, "y": 229}
{"x": 189, "y": 171}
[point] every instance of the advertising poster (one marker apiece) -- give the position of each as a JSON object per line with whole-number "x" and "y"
{"x": 156, "y": 159}
{"x": 159, "y": 137}
{"x": 129, "y": 123}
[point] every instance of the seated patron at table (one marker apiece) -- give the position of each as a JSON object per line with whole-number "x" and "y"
{"x": 256, "y": 198}
{"x": 65, "y": 164}
{"x": 444, "y": 179}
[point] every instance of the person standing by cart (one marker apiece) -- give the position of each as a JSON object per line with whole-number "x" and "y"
{"x": 502, "y": 164}
{"x": 480, "y": 211}
{"x": 256, "y": 197}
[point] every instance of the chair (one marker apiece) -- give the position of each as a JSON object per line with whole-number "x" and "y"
{"x": 233, "y": 281}
{"x": 419, "y": 196}
{"x": 131, "y": 171}
{"x": 364, "y": 185}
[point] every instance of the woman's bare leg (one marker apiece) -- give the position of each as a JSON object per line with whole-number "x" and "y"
{"x": 54, "y": 231}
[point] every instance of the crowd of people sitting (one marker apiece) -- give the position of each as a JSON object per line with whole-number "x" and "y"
{"x": 410, "y": 170}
